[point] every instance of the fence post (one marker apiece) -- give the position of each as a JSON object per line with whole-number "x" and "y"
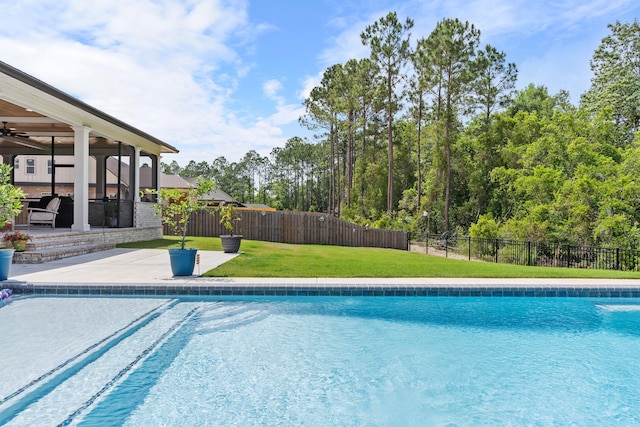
{"x": 426, "y": 246}
{"x": 617, "y": 258}
{"x": 529, "y": 252}
{"x": 469, "y": 238}
{"x": 496, "y": 249}
{"x": 568, "y": 256}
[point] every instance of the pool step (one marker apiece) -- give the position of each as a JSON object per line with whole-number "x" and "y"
{"x": 73, "y": 398}
{"x": 228, "y": 317}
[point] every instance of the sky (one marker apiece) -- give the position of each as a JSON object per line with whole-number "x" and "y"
{"x": 223, "y": 77}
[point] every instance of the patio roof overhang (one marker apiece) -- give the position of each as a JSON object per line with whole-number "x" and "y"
{"x": 37, "y": 119}
{"x": 35, "y": 112}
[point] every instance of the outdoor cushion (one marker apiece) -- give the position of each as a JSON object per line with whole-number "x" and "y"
{"x": 53, "y": 204}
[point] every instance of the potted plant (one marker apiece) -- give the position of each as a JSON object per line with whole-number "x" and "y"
{"x": 175, "y": 208}
{"x": 228, "y": 218}
{"x": 18, "y": 240}
{"x": 10, "y": 207}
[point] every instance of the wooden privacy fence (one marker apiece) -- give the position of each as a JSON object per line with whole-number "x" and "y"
{"x": 298, "y": 228}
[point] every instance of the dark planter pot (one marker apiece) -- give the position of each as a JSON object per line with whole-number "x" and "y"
{"x": 6, "y": 257}
{"x": 182, "y": 261}
{"x": 230, "y": 244}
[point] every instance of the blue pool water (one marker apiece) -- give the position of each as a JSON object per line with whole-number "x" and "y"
{"x": 385, "y": 362}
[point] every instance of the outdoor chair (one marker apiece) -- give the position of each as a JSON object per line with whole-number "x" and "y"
{"x": 45, "y": 215}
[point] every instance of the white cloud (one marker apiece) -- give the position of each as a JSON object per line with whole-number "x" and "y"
{"x": 551, "y": 42}
{"x": 286, "y": 114}
{"x": 309, "y": 83}
{"x": 271, "y": 88}
{"x": 174, "y": 68}
{"x": 164, "y": 67}
{"x": 525, "y": 17}
{"x": 347, "y": 43}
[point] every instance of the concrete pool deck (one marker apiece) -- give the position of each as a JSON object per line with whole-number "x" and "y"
{"x": 148, "y": 272}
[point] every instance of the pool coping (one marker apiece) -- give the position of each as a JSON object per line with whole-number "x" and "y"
{"x": 289, "y": 288}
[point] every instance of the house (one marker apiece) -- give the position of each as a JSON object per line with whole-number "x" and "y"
{"x": 33, "y": 174}
{"x": 45, "y": 132}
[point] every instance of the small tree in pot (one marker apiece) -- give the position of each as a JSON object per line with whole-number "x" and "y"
{"x": 10, "y": 207}
{"x": 175, "y": 208}
{"x": 228, "y": 218}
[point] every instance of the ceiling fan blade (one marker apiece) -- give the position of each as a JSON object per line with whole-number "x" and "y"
{"x": 24, "y": 141}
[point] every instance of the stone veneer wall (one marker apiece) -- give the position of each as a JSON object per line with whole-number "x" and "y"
{"x": 123, "y": 235}
{"x": 145, "y": 216}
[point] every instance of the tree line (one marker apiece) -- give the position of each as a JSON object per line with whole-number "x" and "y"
{"x": 433, "y": 133}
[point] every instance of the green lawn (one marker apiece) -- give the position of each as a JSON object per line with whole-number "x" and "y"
{"x": 266, "y": 259}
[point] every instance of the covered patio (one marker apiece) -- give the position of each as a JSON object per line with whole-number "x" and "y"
{"x": 60, "y": 146}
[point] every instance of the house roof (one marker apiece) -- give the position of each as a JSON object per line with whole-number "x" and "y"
{"x": 176, "y": 181}
{"x": 36, "y": 111}
{"x": 112, "y": 167}
{"x": 173, "y": 181}
{"x": 166, "y": 181}
{"x": 216, "y": 194}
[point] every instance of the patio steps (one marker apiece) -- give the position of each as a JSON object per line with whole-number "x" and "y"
{"x": 61, "y": 245}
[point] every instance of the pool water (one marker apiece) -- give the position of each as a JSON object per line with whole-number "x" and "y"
{"x": 357, "y": 362}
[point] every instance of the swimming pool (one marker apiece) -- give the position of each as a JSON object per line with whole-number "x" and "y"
{"x": 329, "y": 361}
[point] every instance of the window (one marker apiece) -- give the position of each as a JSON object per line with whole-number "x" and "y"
{"x": 49, "y": 167}
{"x": 31, "y": 166}
{"x": 16, "y": 163}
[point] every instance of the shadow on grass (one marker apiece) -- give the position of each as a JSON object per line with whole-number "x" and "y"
{"x": 202, "y": 243}
{"x": 151, "y": 244}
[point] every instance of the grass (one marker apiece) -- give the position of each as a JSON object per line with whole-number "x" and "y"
{"x": 266, "y": 259}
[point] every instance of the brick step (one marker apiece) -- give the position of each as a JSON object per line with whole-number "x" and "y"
{"x": 37, "y": 256}
{"x": 42, "y": 244}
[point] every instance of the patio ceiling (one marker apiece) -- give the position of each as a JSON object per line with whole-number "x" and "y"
{"x": 26, "y": 128}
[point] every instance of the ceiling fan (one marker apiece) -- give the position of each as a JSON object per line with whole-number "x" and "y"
{"x": 5, "y": 131}
{"x": 20, "y": 138}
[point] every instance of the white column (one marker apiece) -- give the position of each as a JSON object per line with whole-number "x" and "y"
{"x": 81, "y": 178}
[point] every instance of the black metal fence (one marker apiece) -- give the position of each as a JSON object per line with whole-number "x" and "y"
{"x": 542, "y": 254}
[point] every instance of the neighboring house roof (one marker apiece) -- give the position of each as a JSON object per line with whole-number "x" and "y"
{"x": 112, "y": 167}
{"x": 166, "y": 181}
{"x": 176, "y": 181}
{"x": 173, "y": 181}
{"x": 216, "y": 194}
{"x": 219, "y": 196}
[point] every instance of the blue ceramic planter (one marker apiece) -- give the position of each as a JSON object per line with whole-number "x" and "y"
{"x": 182, "y": 261}
{"x": 6, "y": 257}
